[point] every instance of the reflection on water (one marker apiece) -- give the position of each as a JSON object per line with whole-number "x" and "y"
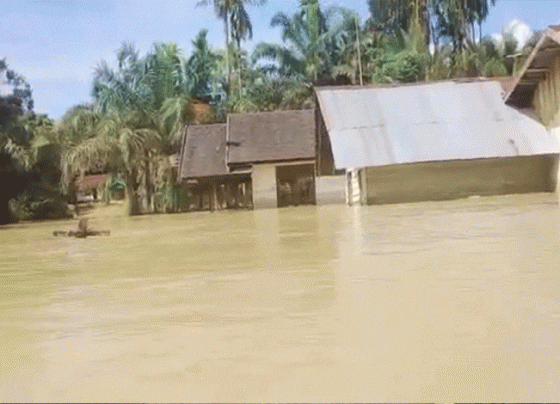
{"x": 451, "y": 301}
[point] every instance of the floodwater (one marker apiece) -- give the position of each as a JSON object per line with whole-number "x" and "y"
{"x": 448, "y": 301}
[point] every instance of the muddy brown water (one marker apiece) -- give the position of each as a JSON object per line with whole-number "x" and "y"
{"x": 449, "y": 301}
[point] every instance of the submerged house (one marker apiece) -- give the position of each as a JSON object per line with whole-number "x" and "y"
{"x": 279, "y": 150}
{"x": 434, "y": 141}
{"x": 536, "y": 88}
{"x": 203, "y": 171}
{"x": 91, "y": 187}
{"x": 387, "y": 144}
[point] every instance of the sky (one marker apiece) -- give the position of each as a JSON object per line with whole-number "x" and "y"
{"x": 56, "y": 44}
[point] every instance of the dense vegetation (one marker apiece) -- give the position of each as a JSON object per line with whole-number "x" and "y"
{"x": 133, "y": 125}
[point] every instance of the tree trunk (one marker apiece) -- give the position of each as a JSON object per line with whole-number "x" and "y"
{"x": 228, "y": 67}
{"x": 148, "y": 184}
{"x": 132, "y": 193}
{"x": 239, "y": 65}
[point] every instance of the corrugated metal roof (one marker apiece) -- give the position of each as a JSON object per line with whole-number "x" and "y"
{"x": 427, "y": 122}
{"x": 204, "y": 151}
{"x": 271, "y": 136}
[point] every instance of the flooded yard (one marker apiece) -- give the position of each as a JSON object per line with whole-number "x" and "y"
{"x": 450, "y": 301}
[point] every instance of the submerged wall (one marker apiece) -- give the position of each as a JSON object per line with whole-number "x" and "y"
{"x": 330, "y": 189}
{"x": 264, "y": 186}
{"x": 433, "y": 181}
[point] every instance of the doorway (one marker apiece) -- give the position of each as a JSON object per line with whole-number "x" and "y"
{"x": 295, "y": 185}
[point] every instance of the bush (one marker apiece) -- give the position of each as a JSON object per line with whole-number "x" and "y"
{"x": 24, "y": 208}
{"x": 402, "y": 67}
{"x": 495, "y": 68}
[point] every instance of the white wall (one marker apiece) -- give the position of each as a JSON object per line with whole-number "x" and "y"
{"x": 264, "y": 186}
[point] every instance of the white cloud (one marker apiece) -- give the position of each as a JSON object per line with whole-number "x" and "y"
{"x": 520, "y": 31}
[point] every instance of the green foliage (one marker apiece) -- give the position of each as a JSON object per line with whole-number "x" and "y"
{"x": 21, "y": 89}
{"x": 135, "y": 122}
{"x": 25, "y": 207}
{"x": 390, "y": 16}
{"x": 29, "y": 162}
{"x": 315, "y": 41}
{"x": 495, "y": 68}
{"x": 202, "y": 67}
{"x": 237, "y": 25}
{"x": 271, "y": 94}
{"x": 403, "y": 67}
{"x": 454, "y": 19}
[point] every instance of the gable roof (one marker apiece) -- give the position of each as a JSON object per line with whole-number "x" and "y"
{"x": 204, "y": 151}
{"x": 535, "y": 68}
{"x": 427, "y": 122}
{"x": 271, "y": 136}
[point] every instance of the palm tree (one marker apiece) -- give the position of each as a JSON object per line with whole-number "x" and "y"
{"x": 119, "y": 144}
{"x": 202, "y": 67}
{"x": 315, "y": 41}
{"x": 228, "y": 10}
{"x": 146, "y": 101}
{"x": 304, "y": 33}
{"x": 347, "y": 44}
{"x": 455, "y": 18}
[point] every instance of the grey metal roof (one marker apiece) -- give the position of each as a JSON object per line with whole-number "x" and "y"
{"x": 204, "y": 151}
{"x": 378, "y": 126}
{"x": 535, "y": 69}
{"x": 271, "y": 136}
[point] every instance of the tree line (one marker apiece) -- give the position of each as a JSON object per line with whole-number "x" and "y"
{"x": 141, "y": 103}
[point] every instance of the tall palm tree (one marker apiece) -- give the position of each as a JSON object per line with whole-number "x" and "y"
{"x": 119, "y": 145}
{"x": 226, "y": 10}
{"x": 456, "y": 18}
{"x": 309, "y": 37}
{"x": 202, "y": 67}
{"x": 142, "y": 106}
{"x": 164, "y": 74}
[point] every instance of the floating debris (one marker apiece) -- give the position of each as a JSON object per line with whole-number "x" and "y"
{"x": 82, "y": 232}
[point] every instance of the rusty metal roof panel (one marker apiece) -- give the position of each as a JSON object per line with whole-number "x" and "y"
{"x": 429, "y": 122}
{"x": 204, "y": 151}
{"x": 271, "y": 136}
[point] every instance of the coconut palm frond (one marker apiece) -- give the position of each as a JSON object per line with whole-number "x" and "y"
{"x": 175, "y": 113}
{"x": 19, "y": 154}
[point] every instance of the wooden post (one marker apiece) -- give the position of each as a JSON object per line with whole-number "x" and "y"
{"x": 359, "y": 53}
{"x": 238, "y": 202}
{"x": 214, "y": 202}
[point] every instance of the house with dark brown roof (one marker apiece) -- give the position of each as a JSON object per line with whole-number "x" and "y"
{"x": 204, "y": 172}
{"x": 279, "y": 149}
{"x": 91, "y": 186}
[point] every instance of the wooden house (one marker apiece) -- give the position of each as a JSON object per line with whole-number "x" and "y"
{"x": 90, "y": 187}
{"x": 203, "y": 171}
{"x": 536, "y": 88}
{"x": 279, "y": 150}
{"x": 432, "y": 141}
